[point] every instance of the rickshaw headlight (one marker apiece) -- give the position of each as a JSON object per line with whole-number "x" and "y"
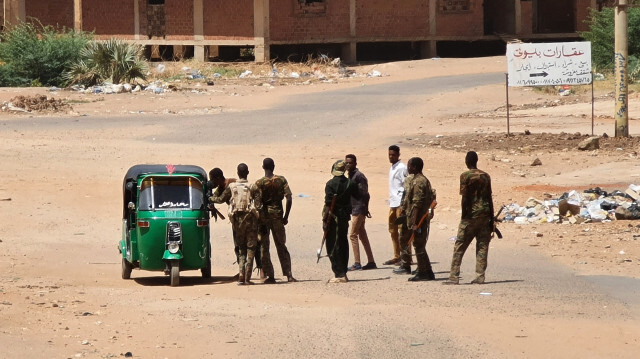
{"x": 173, "y": 247}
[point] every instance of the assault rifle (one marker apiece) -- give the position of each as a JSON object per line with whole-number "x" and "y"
{"x": 494, "y": 225}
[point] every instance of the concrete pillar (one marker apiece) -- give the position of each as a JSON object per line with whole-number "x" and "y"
{"x": 213, "y": 51}
{"x": 198, "y": 30}
{"x": 261, "y": 30}
{"x": 14, "y": 12}
{"x": 428, "y": 49}
{"x": 178, "y": 52}
{"x": 77, "y": 15}
{"x": 349, "y": 50}
{"x": 136, "y": 19}
{"x": 433, "y": 8}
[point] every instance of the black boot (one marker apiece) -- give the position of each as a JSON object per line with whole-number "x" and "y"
{"x": 421, "y": 277}
{"x": 402, "y": 270}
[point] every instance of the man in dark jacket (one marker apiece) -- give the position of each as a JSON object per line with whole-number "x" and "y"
{"x": 359, "y": 214}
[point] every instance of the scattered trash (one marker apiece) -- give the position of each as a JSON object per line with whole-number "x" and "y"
{"x": 6, "y": 199}
{"x": 374, "y": 73}
{"x": 302, "y": 195}
{"x": 245, "y": 74}
{"x": 416, "y": 344}
{"x": 453, "y": 238}
{"x": 598, "y": 77}
{"x": 591, "y": 205}
{"x": 485, "y": 293}
{"x": 160, "y": 68}
{"x": 294, "y": 75}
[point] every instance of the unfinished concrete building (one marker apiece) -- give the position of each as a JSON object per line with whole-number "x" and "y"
{"x": 355, "y": 30}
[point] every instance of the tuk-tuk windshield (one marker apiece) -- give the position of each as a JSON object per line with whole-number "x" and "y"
{"x": 161, "y": 193}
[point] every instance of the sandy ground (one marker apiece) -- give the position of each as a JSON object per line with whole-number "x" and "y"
{"x": 555, "y": 290}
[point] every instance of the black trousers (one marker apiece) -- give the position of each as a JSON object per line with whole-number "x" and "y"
{"x": 338, "y": 246}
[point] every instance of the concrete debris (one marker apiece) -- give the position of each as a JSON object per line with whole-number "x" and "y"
{"x": 592, "y": 205}
{"x": 589, "y": 144}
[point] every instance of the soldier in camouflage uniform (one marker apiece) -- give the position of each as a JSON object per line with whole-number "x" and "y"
{"x": 416, "y": 205}
{"x": 476, "y": 221}
{"x": 245, "y": 202}
{"x": 274, "y": 189}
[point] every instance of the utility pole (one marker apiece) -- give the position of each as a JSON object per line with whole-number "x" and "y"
{"x": 621, "y": 65}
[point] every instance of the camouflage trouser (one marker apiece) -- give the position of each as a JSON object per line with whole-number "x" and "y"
{"x": 396, "y": 231}
{"x": 275, "y": 226}
{"x": 420, "y": 238}
{"x": 263, "y": 261}
{"x": 245, "y": 226}
{"x": 468, "y": 229}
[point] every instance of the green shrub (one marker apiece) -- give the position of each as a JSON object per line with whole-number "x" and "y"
{"x": 38, "y": 54}
{"x": 112, "y": 61}
{"x": 602, "y": 36}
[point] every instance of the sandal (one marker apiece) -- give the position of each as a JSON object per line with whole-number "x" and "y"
{"x": 355, "y": 266}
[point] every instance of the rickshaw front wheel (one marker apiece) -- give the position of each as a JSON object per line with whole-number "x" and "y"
{"x": 175, "y": 274}
{"x": 126, "y": 269}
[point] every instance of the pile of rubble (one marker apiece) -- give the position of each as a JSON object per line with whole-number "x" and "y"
{"x": 37, "y": 103}
{"x": 592, "y": 205}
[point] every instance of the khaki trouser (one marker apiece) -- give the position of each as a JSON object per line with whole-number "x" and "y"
{"x": 358, "y": 231}
{"x": 468, "y": 229}
{"x": 275, "y": 226}
{"x": 245, "y": 226}
{"x": 395, "y": 229}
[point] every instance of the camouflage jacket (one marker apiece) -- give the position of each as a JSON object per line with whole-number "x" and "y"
{"x": 475, "y": 188}
{"x": 417, "y": 198}
{"x": 273, "y": 190}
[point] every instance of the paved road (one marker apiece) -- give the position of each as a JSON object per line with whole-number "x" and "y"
{"x": 305, "y": 116}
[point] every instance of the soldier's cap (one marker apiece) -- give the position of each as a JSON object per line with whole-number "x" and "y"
{"x": 338, "y": 168}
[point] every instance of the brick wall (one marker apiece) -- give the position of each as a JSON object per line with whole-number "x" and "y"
{"x": 179, "y": 19}
{"x": 57, "y": 13}
{"x": 290, "y": 21}
{"x": 108, "y": 18}
{"x": 218, "y": 24}
{"x": 583, "y": 8}
{"x": 392, "y": 18}
{"x": 527, "y": 17}
{"x": 460, "y": 21}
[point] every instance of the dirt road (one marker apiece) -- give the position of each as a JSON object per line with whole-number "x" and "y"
{"x": 553, "y": 290}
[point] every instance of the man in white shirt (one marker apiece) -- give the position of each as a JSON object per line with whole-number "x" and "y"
{"x": 397, "y": 174}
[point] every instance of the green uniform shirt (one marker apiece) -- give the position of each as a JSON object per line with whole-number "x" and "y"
{"x": 274, "y": 190}
{"x": 475, "y": 188}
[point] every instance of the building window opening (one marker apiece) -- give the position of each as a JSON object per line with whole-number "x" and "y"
{"x": 156, "y": 2}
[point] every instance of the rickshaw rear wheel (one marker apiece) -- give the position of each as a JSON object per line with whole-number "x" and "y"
{"x": 175, "y": 274}
{"x": 206, "y": 270}
{"x": 126, "y": 269}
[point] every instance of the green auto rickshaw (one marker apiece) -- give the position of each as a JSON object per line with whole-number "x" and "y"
{"x": 165, "y": 221}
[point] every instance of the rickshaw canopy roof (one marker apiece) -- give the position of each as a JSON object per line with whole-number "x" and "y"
{"x": 138, "y": 170}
